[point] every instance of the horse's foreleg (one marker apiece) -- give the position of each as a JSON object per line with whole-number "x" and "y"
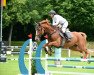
{"x": 46, "y": 48}
{"x": 45, "y": 45}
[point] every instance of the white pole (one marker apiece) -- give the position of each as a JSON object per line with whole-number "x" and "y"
{"x": 30, "y": 57}
{"x": 68, "y": 52}
{"x": 1, "y": 20}
{"x": 46, "y": 63}
{"x": 58, "y": 52}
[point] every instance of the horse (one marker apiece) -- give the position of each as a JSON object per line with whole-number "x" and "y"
{"x": 77, "y": 42}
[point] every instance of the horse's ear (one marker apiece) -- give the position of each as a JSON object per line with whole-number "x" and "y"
{"x": 47, "y": 20}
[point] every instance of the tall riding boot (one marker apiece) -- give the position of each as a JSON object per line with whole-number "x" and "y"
{"x": 65, "y": 35}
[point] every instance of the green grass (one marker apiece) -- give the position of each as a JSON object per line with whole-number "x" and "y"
{"x": 72, "y": 69}
{"x": 60, "y": 69}
{"x": 90, "y": 45}
{"x": 9, "y": 68}
{"x": 17, "y": 43}
{"x": 12, "y": 68}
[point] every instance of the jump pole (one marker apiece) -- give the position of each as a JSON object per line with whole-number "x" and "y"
{"x": 46, "y": 56}
{"x": 71, "y": 59}
{"x": 30, "y": 53}
{"x": 70, "y": 66}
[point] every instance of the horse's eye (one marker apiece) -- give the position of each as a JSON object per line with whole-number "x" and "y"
{"x": 38, "y": 24}
{"x": 39, "y": 29}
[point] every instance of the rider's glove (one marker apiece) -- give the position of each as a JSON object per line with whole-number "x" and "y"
{"x": 59, "y": 26}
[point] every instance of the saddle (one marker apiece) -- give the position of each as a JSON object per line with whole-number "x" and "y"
{"x": 67, "y": 36}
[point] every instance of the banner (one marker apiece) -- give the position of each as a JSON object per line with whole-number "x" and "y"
{"x": 3, "y": 2}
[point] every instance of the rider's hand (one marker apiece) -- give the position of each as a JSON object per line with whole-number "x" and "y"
{"x": 59, "y": 26}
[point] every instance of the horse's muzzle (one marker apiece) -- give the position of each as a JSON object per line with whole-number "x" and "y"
{"x": 37, "y": 38}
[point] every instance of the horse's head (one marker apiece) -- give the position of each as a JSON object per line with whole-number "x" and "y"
{"x": 38, "y": 32}
{"x": 41, "y": 28}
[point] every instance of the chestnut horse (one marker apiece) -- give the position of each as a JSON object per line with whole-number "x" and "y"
{"x": 77, "y": 42}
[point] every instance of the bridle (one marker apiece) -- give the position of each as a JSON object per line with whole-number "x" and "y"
{"x": 42, "y": 29}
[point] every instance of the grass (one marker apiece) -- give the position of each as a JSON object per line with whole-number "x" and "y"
{"x": 17, "y": 43}
{"x": 9, "y": 68}
{"x": 74, "y": 55}
{"x": 90, "y": 45}
{"x": 12, "y": 68}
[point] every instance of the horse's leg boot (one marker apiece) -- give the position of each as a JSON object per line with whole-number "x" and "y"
{"x": 47, "y": 51}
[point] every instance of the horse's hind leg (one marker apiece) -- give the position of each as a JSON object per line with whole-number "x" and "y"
{"x": 83, "y": 54}
{"x": 86, "y": 54}
{"x": 77, "y": 48}
{"x": 84, "y": 51}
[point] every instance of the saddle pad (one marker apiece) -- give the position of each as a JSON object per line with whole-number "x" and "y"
{"x": 63, "y": 42}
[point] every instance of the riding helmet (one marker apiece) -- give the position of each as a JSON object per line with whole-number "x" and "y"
{"x": 52, "y": 12}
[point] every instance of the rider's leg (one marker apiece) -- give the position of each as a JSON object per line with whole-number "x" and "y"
{"x": 63, "y": 31}
{"x": 64, "y": 27}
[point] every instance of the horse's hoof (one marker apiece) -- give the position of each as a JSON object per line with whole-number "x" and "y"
{"x": 52, "y": 51}
{"x": 49, "y": 53}
{"x": 84, "y": 58}
{"x": 46, "y": 51}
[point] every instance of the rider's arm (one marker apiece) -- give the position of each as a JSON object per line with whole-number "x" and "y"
{"x": 55, "y": 20}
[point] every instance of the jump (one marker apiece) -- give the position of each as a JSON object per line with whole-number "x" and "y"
{"x": 76, "y": 43}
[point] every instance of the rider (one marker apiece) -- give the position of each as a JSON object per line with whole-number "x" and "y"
{"x": 60, "y": 22}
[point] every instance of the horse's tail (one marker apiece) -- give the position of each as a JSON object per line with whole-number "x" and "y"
{"x": 84, "y": 35}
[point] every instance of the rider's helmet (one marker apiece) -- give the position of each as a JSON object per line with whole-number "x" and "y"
{"x": 52, "y": 12}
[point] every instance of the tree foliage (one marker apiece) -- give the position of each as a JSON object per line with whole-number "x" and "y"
{"x": 79, "y": 13}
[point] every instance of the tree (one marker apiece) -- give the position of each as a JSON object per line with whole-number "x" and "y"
{"x": 15, "y": 12}
{"x": 79, "y": 13}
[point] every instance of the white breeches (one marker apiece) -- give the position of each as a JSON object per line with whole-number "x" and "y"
{"x": 64, "y": 27}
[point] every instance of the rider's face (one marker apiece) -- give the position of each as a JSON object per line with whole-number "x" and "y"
{"x": 51, "y": 15}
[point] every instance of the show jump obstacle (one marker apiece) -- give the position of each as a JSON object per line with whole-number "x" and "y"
{"x": 22, "y": 67}
{"x": 37, "y": 58}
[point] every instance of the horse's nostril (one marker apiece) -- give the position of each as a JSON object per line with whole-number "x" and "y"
{"x": 36, "y": 38}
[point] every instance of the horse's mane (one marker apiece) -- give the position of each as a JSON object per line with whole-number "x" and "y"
{"x": 54, "y": 27}
{"x": 44, "y": 21}
{"x": 49, "y": 24}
